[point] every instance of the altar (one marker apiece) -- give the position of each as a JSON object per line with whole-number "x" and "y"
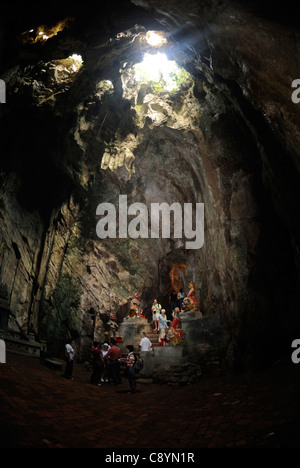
{"x": 130, "y": 330}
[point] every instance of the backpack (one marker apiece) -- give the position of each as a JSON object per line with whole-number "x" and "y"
{"x": 138, "y": 363}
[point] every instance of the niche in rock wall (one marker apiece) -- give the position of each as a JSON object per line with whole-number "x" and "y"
{"x": 175, "y": 271}
{"x": 177, "y": 276}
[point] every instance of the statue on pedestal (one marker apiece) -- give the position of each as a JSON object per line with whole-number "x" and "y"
{"x": 113, "y": 326}
{"x": 134, "y": 308}
{"x": 175, "y": 334}
{"x": 192, "y": 297}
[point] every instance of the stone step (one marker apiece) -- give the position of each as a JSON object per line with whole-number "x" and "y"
{"x": 53, "y": 364}
{"x": 153, "y": 337}
{"x": 153, "y": 334}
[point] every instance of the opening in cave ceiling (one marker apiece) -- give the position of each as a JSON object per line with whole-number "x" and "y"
{"x": 42, "y": 33}
{"x": 160, "y": 92}
{"x": 163, "y": 73}
{"x": 156, "y": 70}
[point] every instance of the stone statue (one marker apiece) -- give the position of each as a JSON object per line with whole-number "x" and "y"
{"x": 192, "y": 297}
{"x": 134, "y": 309}
{"x": 186, "y": 305}
{"x": 175, "y": 334}
{"x": 176, "y": 318}
{"x": 113, "y": 326}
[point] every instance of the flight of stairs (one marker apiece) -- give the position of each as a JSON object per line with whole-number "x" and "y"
{"x": 153, "y": 337}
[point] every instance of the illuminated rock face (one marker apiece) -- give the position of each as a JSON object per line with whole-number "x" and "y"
{"x": 81, "y": 132}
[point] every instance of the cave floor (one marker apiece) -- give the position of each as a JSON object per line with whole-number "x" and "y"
{"x": 41, "y": 409}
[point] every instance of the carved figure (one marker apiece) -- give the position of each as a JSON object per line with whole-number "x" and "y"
{"x": 192, "y": 297}
{"x": 134, "y": 310}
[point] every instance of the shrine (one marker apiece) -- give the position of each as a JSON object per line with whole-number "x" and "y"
{"x": 192, "y": 344}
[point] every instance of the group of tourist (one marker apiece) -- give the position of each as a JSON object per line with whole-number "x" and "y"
{"x": 176, "y": 300}
{"x": 106, "y": 362}
{"x": 159, "y": 316}
{"x": 161, "y": 321}
{"x": 178, "y": 304}
{"x": 99, "y": 362}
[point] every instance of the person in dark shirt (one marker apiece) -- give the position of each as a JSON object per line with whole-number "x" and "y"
{"x": 113, "y": 357}
{"x": 98, "y": 364}
{"x": 130, "y": 361}
{"x": 173, "y": 300}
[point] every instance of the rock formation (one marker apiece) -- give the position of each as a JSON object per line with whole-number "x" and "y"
{"x": 78, "y": 130}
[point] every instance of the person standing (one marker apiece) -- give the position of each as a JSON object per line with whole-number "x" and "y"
{"x": 70, "y": 354}
{"x": 98, "y": 364}
{"x": 156, "y": 309}
{"x": 130, "y": 368}
{"x": 105, "y": 348}
{"x": 180, "y": 296}
{"x": 163, "y": 325}
{"x": 173, "y": 300}
{"x": 113, "y": 357}
{"x": 145, "y": 344}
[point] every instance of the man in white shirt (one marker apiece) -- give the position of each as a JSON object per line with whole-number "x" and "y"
{"x": 145, "y": 343}
{"x": 69, "y": 359}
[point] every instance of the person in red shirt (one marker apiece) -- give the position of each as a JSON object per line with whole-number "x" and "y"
{"x": 113, "y": 357}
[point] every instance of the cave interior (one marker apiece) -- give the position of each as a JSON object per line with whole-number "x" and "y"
{"x": 84, "y": 123}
